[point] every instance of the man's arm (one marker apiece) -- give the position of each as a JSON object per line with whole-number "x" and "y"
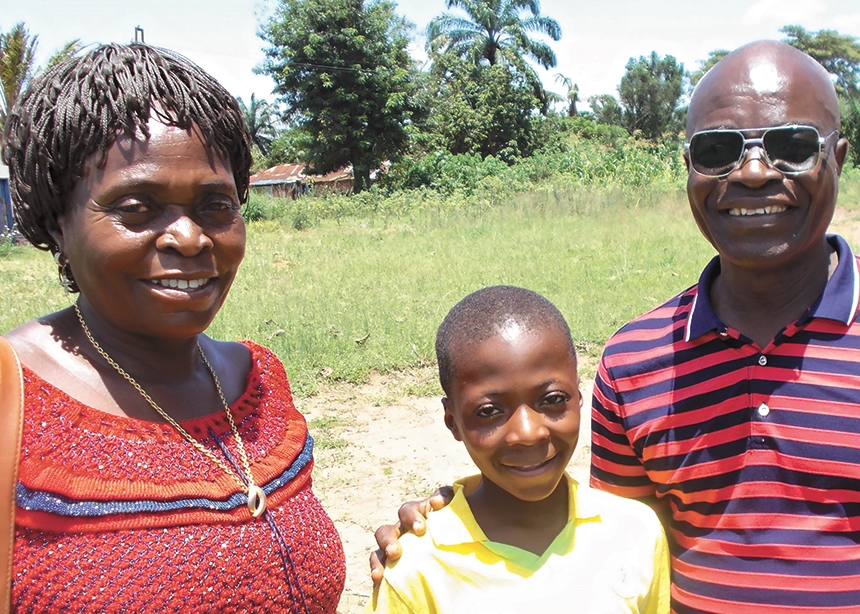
{"x": 615, "y": 466}
{"x": 411, "y": 519}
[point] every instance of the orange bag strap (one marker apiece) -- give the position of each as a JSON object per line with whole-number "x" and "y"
{"x": 11, "y": 425}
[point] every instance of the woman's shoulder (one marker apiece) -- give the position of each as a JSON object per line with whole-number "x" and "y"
{"x": 36, "y": 341}
{"x": 45, "y": 348}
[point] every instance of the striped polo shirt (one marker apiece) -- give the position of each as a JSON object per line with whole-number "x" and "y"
{"x": 754, "y": 453}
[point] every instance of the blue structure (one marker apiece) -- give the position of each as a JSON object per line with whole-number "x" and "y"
{"x": 6, "y": 218}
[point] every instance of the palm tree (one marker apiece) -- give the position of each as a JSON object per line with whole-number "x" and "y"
{"x": 572, "y": 94}
{"x": 17, "y": 63}
{"x": 260, "y": 120}
{"x": 17, "y": 49}
{"x": 496, "y": 31}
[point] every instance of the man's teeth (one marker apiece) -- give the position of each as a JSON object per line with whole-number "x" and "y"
{"x": 761, "y": 211}
{"x": 181, "y": 284}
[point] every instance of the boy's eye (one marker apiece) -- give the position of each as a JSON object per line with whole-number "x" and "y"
{"x": 487, "y": 411}
{"x": 556, "y": 398}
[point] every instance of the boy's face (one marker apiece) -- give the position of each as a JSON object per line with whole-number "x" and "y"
{"x": 515, "y": 404}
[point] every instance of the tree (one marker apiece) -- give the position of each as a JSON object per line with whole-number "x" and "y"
{"x": 606, "y": 110}
{"x": 497, "y": 31}
{"x": 259, "y": 118}
{"x": 649, "y": 93}
{"x": 17, "y": 63}
{"x": 572, "y": 94}
{"x": 488, "y": 110}
{"x": 713, "y": 58}
{"x": 17, "y": 51}
{"x": 342, "y": 70}
{"x": 287, "y": 147}
{"x": 839, "y": 54}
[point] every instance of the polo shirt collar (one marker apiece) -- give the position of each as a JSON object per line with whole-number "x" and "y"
{"x": 838, "y": 302}
{"x": 455, "y": 525}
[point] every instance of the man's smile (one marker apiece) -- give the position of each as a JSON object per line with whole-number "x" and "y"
{"x": 743, "y": 211}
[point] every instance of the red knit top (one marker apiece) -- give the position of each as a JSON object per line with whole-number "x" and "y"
{"x": 122, "y": 515}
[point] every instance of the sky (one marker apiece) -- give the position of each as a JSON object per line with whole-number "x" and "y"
{"x": 599, "y": 37}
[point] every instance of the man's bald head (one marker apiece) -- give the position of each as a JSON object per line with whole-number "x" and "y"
{"x": 767, "y": 73}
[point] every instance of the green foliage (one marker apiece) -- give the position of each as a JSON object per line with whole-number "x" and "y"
{"x": 342, "y": 69}
{"x": 708, "y": 64}
{"x": 5, "y": 245}
{"x": 649, "y": 93}
{"x": 850, "y": 110}
{"x": 495, "y": 32}
{"x": 288, "y": 147}
{"x": 17, "y": 63}
{"x": 572, "y": 96}
{"x": 486, "y": 110}
{"x": 839, "y": 54}
{"x": 259, "y": 117}
{"x": 17, "y": 51}
{"x": 606, "y": 110}
{"x": 577, "y": 151}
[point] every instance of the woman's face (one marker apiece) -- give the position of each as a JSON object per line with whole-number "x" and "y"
{"x": 154, "y": 238}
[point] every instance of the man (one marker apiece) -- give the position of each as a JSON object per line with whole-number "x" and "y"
{"x": 734, "y": 408}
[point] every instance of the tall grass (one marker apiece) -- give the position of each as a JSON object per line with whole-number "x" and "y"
{"x": 366, "y": 284}
{"x": 342, "y": 298}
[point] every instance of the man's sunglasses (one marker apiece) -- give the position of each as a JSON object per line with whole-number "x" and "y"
{"x": 791, "y": 150}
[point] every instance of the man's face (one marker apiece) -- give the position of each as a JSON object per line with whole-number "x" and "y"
{"x": 756, "y": 216}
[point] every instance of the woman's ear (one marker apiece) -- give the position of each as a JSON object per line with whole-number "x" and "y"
{"x": 449, "y": 419}
{"x": 57, "y": 235}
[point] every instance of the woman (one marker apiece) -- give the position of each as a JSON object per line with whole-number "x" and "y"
{"x": 161, "y": 471}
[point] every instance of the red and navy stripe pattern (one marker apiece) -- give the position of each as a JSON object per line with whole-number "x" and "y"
{"x": 752, "y": 453}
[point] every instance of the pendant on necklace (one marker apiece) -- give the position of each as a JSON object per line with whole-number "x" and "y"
{"x": 256, "y": 501}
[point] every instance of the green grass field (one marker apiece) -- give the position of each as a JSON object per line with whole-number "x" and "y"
{"x": 353, "y": 294}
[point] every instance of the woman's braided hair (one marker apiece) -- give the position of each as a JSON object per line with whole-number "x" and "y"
{"x": 78, "y": 108}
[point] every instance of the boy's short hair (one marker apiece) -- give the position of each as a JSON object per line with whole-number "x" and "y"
{"x": 78, "y": 108}
{"x": 485, "y": 313}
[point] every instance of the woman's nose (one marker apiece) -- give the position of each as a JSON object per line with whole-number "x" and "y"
{"x": 185, "y": 236}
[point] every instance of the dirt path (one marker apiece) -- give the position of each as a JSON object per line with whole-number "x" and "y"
{"x": 377, "y": 448}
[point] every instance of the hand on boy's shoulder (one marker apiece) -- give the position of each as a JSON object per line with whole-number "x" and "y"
{"x": 412, "y": 518}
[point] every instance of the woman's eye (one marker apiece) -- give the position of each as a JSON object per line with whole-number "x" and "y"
{"x": 220, "y": 206}
{"x": 132, "y": 207}
{"x": 133, "y": 211}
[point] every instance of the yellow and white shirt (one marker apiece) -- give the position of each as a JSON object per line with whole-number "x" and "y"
{"x": 611, "y": 557}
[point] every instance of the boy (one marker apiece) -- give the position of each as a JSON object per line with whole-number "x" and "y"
{"x": 522, "y": 536}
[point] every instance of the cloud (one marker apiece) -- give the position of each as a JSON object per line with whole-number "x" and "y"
{"x": 789, "y": 11}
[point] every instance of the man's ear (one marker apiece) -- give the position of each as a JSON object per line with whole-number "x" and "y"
{"x": 841, "y": 150}
{"x": 686, "y": 157}
{"x": 449, "y": 419}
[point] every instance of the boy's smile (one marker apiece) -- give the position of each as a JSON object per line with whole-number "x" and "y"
{"x": 515, "y": 404}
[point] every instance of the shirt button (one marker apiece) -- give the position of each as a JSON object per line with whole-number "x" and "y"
{"x": 763, "y": 410}
{"x": 762, "y": 360}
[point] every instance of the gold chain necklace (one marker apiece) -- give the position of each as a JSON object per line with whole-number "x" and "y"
{"x": 256, "y": 496}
